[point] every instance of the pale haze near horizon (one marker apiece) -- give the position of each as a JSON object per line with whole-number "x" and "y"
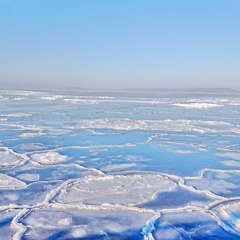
{"x": 120, "y": 44}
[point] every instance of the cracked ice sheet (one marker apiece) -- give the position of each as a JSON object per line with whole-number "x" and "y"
{"x": 189, "y": 226}
{"x": 128, "y": 189}
{"x": 50, "y": 223}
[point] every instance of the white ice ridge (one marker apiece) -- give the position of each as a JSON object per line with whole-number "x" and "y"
{"x": 161, "y": 125}
{"x": 17, "y": 225}
{"x": 48, "y": 157}
{"x": 130, "y": 190}
{"x": 198, "y": 105}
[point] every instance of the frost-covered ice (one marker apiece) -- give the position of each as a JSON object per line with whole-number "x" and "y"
{"x": 93, "y": 165}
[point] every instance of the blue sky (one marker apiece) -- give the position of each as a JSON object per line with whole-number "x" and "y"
{"x": 120, "y": 43}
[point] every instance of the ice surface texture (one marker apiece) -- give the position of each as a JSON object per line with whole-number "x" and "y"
{"x": 116, "y": 166}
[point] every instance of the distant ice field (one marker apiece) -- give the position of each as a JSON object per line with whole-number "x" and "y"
{"x": 93, "y": 165}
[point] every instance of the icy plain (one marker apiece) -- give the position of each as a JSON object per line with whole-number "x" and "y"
{"x": 119, "y": 166}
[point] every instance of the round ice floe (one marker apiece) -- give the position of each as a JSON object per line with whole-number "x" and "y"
{"x": 117, "y": 189}
{"x": 7, "y": 182}
{"x": 48, "y": 157}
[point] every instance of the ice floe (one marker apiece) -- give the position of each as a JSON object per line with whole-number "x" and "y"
{"x": 28, "y": 177}
{"x": 48, "y": 158}
{"x": 7, "y": 182}
{"x": 133, "y": 189}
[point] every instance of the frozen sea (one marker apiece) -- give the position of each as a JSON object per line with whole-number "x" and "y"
{"x": 123, "y": 165}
